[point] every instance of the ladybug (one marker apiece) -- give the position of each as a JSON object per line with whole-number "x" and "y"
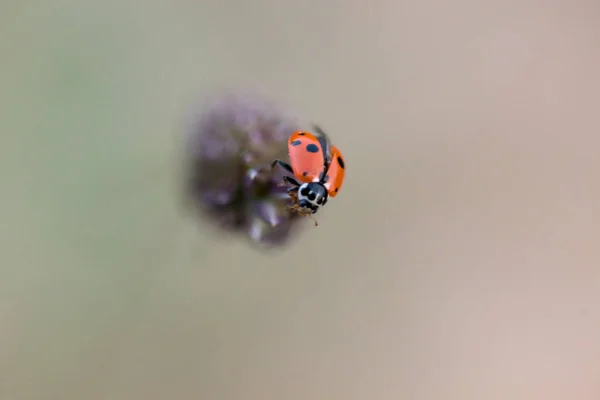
{"x": 318, "y": 168}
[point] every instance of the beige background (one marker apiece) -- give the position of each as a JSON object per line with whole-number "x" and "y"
{"x": 459, "y": 262}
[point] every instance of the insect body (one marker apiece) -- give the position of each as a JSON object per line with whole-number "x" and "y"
{"x": 318, "y": 168}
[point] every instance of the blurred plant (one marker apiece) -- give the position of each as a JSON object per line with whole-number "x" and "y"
{"x": 231, "y": 146}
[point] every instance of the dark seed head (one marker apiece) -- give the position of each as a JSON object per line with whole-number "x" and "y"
{"x": 230, "y": 148}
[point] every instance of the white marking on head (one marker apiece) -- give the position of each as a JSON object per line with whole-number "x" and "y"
{"x": 320, "y": 194}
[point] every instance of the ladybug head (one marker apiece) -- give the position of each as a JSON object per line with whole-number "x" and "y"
{"x": 312, "y": 196}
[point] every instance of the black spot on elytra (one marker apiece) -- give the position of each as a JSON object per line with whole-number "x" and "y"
{"x": 313, "y": 148}
{"x": 336, "y": 189}
{"x": 296, "y": 143}
{"x": 305, "y": 191}
{"x": 302, "y": 134}
{"x": 341, "y": 162}
{"x": 312, "y": 196}
{"x": 304, "y": 173}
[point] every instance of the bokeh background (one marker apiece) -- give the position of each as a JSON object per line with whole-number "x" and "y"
{"x": 459, "y": 261}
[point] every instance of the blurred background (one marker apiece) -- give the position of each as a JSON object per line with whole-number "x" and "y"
{"x": 459, "y": 261}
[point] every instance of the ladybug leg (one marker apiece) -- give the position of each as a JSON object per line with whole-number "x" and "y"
{"x": 292, "y": 191}
{"x": 288, "y": 180}
{"x": 291, "y": 181}
{"x": 282, "y": 164}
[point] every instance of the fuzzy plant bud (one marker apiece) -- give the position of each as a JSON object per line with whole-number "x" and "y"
{"x": 231, "y": 145}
